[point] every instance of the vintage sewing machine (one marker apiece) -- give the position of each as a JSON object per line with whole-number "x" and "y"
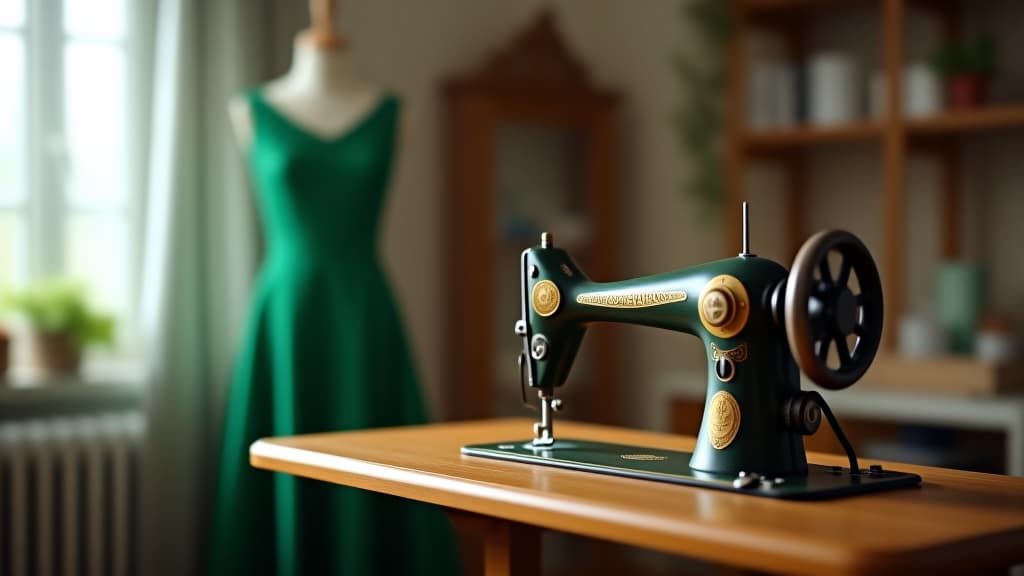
{"x": 757, "y": 322}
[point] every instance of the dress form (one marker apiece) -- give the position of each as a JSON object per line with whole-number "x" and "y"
{"x": 320, "y": 93}
{"x": 324, "y": 347}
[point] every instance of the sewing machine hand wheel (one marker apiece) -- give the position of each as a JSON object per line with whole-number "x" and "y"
{"x": 833, "y": 304}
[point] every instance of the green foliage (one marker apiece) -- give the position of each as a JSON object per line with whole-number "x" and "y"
{"x": 976, "y": 56}
{"x": 699, "y": 119}
{"x": 55, "y": 306}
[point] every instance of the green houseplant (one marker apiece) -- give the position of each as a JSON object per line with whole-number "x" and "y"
{"x": 62, "y": 323}
{"x": 966, "y": 67}
{"x": 699, "y": 118}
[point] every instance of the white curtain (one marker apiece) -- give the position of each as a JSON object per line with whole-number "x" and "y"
{"x": 201, "y": 247}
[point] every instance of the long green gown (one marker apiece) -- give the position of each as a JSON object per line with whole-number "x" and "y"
{"x": 324, "y": 350}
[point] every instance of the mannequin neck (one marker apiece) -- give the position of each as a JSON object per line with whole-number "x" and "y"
{"x": 319, "y": 69}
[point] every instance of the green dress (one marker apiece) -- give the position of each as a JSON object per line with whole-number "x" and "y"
{"x": 324, "y": 350}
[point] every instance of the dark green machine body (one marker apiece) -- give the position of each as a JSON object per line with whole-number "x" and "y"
{"x": 761, "y": 382}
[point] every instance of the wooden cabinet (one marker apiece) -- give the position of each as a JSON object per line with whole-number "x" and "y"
{"x": 532, "y": 145}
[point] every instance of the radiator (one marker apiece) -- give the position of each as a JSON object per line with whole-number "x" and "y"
{"x": 68, "y": 495}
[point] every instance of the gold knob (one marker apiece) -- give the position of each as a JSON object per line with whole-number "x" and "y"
{"x": 724, "y": 306}
{"x": 718, "y": 306}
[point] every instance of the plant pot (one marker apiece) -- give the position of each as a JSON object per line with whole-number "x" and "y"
{"x": 5, "y": 353}
{"x": 966, "y": 90}
{"x": 56, "y": 352}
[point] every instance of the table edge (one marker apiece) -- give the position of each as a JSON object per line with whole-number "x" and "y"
{"x": 480, "y": 497}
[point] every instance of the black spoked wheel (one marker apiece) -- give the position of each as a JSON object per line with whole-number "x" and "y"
{"x": 834, "y": 309}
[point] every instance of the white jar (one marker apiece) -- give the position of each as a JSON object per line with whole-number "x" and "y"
{"x": 921, "y": 337}
{"x": 834, "y": 90}
{"x": 995, "y": 346}
{"x": 922, "y": 94}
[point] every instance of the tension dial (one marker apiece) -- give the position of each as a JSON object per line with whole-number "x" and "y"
{"x": 724, "y": 306}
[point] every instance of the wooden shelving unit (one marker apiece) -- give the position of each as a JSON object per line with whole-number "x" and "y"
{"x": 895, "y": 135}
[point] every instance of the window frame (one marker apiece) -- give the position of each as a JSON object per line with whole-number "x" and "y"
{"x": 19, "y": 209}
{"x": 46, "y": 206}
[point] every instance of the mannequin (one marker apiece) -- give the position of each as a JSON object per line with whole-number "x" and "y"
{"x": 320, "y": 93}
{"x": 324, "y": 348}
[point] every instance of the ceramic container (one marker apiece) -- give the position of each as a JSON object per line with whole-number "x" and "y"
{"x": 834, "y": 91}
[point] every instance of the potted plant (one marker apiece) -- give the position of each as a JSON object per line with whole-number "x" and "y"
{"x": 966, "y": 67}
{"x": 62, "y": 323}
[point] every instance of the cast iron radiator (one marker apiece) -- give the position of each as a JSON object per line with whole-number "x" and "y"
{"x": 69, "y": 495}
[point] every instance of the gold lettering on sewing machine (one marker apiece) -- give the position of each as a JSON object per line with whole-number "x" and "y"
{"x": 725, "y": 420}
{"x": 545, "y": 297}
{"x": 616, "y": 299}
{"x": 643, "y": 457}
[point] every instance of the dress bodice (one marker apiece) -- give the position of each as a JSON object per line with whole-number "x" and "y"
{"x": 320, "y": 198}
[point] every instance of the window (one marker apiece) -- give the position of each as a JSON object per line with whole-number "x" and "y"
{"x": 69, "y": 147}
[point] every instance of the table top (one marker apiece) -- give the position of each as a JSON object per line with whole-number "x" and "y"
{"x": 955, "y": 520}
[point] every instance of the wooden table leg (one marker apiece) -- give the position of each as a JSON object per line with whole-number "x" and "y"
{"x": 509, "y": 548}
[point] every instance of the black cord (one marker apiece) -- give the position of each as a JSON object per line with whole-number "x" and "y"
{"x": 837, "y": 430}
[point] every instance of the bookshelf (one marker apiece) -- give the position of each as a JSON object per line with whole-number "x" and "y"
{"x": 894, "y": 134}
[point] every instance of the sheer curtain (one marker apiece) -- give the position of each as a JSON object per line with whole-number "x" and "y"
{"x": 201, "y": 247}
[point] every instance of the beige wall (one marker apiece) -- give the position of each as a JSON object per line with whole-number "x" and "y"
{"x": 412, "y": 46}
{"x": 627, "y": 46}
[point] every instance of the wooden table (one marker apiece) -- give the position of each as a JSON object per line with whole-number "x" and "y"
{"x": 955, "y": 522}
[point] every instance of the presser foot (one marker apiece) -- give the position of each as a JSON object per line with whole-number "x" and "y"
{"x": 544, "y": 430}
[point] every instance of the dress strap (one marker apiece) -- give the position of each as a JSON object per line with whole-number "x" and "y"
{"x": 256, "y": 102}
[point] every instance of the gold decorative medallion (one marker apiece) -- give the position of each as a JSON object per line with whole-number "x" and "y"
{"x": 639, "y": 299}
{"x": 643, "y": 457}
{"x": 545, "y": 297}
{"x": 724, "y": 420}
{"x": 737, "y": 354}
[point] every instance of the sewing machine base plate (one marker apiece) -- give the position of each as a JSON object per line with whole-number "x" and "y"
{"x": 821, "y": 482}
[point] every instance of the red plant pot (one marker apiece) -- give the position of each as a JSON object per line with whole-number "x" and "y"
{"x": 966, "y": 90}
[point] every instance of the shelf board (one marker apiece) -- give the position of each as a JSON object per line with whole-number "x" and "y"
{"x": 768, "y": 6}
{"x": 799, "y": 136}
{"x": 946, "y": 123}
{"x": 968, "y": 120}
{"x": 953, "y": 375}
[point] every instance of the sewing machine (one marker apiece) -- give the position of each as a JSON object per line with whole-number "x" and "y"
{"x": 759, "y": 324}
